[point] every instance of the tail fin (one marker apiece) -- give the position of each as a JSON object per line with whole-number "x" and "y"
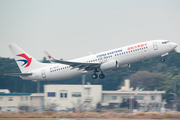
{"x": 25, "y": 62}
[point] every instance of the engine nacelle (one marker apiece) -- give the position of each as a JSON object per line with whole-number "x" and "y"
{"x": 122, "y": 67}
{"x": 113, "y": 64}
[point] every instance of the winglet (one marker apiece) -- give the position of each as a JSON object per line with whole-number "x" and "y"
{"x": 49, "y": 56}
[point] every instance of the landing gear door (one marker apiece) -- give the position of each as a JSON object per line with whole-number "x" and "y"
{"x": 155, "y": 45}
{"x": 43, "y": 74}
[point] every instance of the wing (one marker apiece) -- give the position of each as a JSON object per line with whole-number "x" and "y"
{"x": 80, "y": 65}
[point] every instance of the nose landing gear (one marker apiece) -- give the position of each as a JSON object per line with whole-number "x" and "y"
{"x": 162, "y": 60}
{"x": 163, "y": 56}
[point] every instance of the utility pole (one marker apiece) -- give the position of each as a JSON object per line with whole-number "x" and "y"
{"x": 38, "y": 86}
{"x": 175, "y": 96}
{"x": 83, "y": 79}
{"x": 174, "y": 87}
{"x": 174, "y": 105}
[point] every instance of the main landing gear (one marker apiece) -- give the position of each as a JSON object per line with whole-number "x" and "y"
{"x": 95, "y": 76}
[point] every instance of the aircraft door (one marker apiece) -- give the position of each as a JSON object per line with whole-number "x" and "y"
{"x": 144, "y": 54}
{"x": 43, "y": 74}
{"x": 155, "y": 45}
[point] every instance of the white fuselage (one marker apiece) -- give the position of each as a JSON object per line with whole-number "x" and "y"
{"x": 124, "y": 55}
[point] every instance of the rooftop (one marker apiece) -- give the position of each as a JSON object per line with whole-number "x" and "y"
{"x": 14, "y": 94}
{"x": 133, "y": 92}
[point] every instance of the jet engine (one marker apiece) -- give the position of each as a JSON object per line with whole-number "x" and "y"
{"x": 113, "y": 65}
{"x": 122, "y": 67}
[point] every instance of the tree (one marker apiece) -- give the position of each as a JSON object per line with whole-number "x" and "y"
{"x": 147, "y": 80}
{"x": 24, "y": 108}
{"x": 80, "y": 105}
{"x": 45, "y": 60}
{"x": 98, "y": 107}
{"x": 51, "y": 106}
{"x": 123, "y": 104}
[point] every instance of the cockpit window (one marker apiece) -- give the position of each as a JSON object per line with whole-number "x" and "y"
{"x": 165, "y": 42}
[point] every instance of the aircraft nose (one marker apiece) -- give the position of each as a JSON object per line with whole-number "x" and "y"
{"x": 174, "y": 45}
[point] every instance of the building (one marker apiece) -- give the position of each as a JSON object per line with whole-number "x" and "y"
{"x": 37, "y": 101}
{"x": 80, "y": 97}
{"x": 147, "y": 100}
{"x": 63, "y": 97}
{"x": 12, "y": 101}
{"x": 4, "y": 91}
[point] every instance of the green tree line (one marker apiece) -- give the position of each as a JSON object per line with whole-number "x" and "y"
{"x": 150, "y": 74}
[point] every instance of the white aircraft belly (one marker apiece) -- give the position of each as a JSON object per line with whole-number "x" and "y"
{"x": 64, "y": 74}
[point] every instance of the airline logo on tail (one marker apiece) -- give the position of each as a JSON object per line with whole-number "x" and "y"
{"x": 49, "y": 56}
{"x": 27, "y": 60}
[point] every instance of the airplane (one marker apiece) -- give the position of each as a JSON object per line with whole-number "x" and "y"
{"x": 115, "y": 60}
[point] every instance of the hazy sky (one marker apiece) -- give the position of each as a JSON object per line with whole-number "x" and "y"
{"x": 71, "y": 28}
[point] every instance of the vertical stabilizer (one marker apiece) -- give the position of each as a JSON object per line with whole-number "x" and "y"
{"x": 25, "y": 62}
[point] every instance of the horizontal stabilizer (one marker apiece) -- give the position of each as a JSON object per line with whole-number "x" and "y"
{"x": 19, "y": 74}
